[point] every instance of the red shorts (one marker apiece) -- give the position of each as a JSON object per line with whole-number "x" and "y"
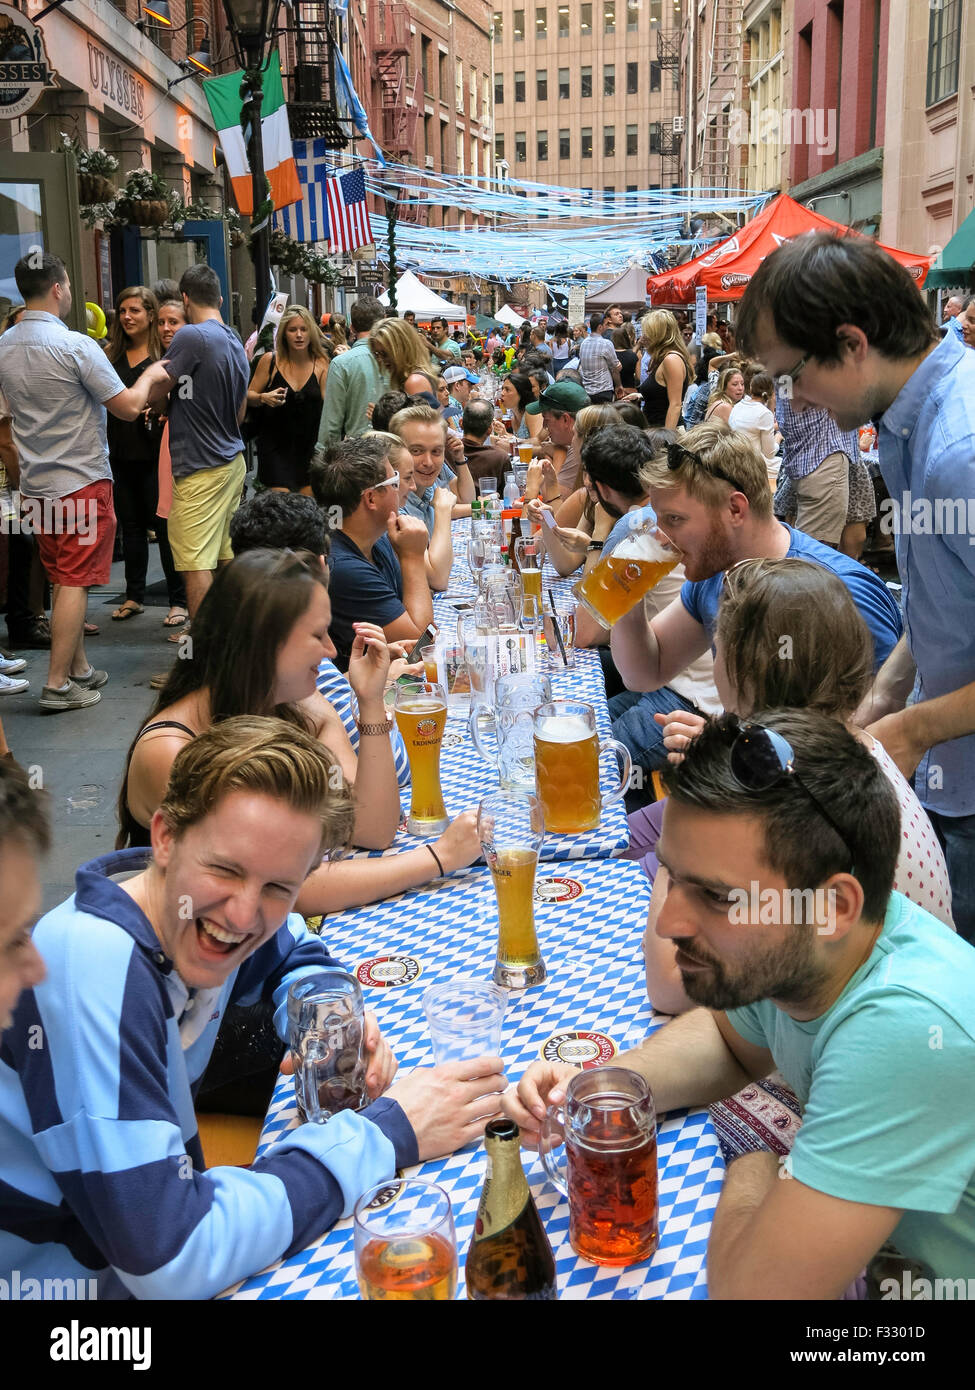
{"x": 75, "y": 534}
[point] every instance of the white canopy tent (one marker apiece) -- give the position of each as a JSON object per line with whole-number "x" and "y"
{"x": 412, "y": 293}
{"x": 507, "y": 315}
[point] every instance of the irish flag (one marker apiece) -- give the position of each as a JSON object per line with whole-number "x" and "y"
{"x": 223, "y": 95}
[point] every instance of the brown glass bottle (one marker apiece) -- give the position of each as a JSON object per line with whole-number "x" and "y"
{"x": 510, "y": 1255}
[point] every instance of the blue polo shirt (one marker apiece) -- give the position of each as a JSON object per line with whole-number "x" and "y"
{"x": 926, "y": 440}
{"x": 361, "y": 590}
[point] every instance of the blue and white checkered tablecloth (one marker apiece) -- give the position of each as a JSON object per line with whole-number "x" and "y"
{"x": 592, "y": 949}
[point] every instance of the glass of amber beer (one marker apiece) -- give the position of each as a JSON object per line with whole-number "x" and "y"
{"x": 421, "y": 713}
{"x": 609, "y": 1126}
{"x": 627, "y": 572}
{"x": 511, "y": 830}
{"x": 567, "y": 752}
{"x": 405, "y": 1247}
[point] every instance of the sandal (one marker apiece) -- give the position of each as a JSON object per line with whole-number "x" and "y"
{"x": 183, "y": 632}
{"x": 176, "y": 616}
{"x": 126, "y": 610}
{"x": 92, "y": 629}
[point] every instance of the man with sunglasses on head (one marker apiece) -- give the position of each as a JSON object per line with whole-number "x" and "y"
{"x": 711, "y": 498}
{"x": 377, "y": 565}
{"x": 781, "y": 838}
{"x": 844, "y": 328}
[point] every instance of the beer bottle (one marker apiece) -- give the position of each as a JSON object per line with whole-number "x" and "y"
{"x": 510, "y": 1256}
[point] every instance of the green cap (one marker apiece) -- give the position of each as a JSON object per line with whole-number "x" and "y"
{"x": 567, "y": 396}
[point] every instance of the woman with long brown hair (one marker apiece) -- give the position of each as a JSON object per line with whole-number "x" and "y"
{"x": 669, "y": 370}
{"x": 399, "y": 350}
{"x": 288, "y": 388}
{"x": 730, "y": 390}
{"x": 133, "y": 448}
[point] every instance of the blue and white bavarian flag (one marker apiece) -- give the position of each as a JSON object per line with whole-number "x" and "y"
{"x": 307, "y": 221}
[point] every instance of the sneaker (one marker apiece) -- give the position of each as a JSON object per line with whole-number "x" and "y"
{"x": 35, "y": 637}
{"x": 75, "y": 697}
{"x": 12, "y": 687}
{"x": 94, "y": 680}
{"x": 10, "y": 665}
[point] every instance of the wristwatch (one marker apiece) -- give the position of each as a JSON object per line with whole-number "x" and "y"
{"x": 593, "y": 546}
{"x": 378, "y": 729}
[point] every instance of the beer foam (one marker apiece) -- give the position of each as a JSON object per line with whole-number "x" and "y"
{"x": 563, "y": 728}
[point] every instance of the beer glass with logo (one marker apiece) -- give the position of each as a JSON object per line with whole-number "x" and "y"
{"x": 405, "y": 1248}
{"x": 567, "y": 753}
{"x": 513, "y": 755}
{"x": 421, "y": 713}
{"x": 627, "y": 572}
{"x": 511, "y": 830}
{"x": 609, "y": 1126}
{"x": 326, "y": 1032}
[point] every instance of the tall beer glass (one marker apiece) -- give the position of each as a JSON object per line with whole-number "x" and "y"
{"x": 626, "y": 573}
{"x": 421, "y": 713}
{"x": 511, "y": 831}
{"x": 567, "y": 751}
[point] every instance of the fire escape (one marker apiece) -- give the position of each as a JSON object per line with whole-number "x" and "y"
{"x": 391, "y": 43}
{"x": 311, "y": 110}
{"x": 671, "y": 134}
{"x": 718, "y": 162}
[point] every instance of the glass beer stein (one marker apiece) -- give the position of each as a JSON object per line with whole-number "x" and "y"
{"x": 511, "y": 831}
{"x": 326, "y": 1034}
{"x": 517, "y": 696}
{"x": 626, "y": 573}
{"x": 421, "y": 713}
{"x": 567, "y": 752}
{"x": 609, "y": 1126}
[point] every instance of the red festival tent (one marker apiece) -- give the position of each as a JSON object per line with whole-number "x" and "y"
{"x": 726, "y": 269}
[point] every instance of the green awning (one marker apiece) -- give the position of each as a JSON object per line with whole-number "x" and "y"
{"x": 483, "y": 324}
{"x": 955, "y": 266}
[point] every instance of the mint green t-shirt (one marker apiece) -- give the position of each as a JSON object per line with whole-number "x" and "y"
{"x": 886, "y": 1078}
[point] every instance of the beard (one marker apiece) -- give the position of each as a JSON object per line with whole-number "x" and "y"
{"x": 788, "y": 972}
{"x": 714, "y": 557}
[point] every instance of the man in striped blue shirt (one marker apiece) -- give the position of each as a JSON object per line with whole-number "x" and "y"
{"x": 103, "y": 1174}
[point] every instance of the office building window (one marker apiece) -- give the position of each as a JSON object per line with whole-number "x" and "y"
{"x": 521, "y": 147}
{"x": 473, "y": 107}
{"x": 609, "y": 193}
{"x": 444, "y": 145}
{"x": 565, "y": 145}
{"x": 541, "y": 22}
{"x": 519, "y": 86}
{"x": 631, "y": 188}
{"x": 459, "y": 84}
{"x": 541, "y": 84}
{"x": 631, "y": 139}
{"x": 563, "y": 21}
{"x": 498, "y": 24}
{"x": 499, "y": 147}
{"x": 460, "y": 152}
{"x": 655, "y": 8}
{"x": 563, "y": 84}
{"x": 655, "y": 128}
{"x": 585, "y": 82}
{"x": 632, "y": 79}
{"x": 425, "y": 63}
{"x": 655, "y": 77}
{"x": 609, "y": 17}
{"x": 541, "y": 144}
{"x": 499, "y": 89}
{"x": 473, "y": 159}
{"x": 518, "y": 25}
{"x": 485, "y": 99}
{"x": 609, "y": 79}
{"x": 585, "y": 18}
{"x": 442, "y": 76}
{"x": 632, "y": 16}
{"x": 944, "y": 39}
{"x": 609, "y": 141}
{"x": 587, "y": 142}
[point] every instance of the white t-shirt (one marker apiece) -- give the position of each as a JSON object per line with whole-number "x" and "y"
{"x": 752, "y": 418}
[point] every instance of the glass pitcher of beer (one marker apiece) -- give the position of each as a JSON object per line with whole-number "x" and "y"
{"x": 511, "y": 830}
{"x": 421, "y": 714}
{"x": 567, "y": 753}
{"x": 609, "y": 1126}
{"x": 627, "y": 572}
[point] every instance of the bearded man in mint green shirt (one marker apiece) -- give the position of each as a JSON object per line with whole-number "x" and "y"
{"x": 780, "y": 838}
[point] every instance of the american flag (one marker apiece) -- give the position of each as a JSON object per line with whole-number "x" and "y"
{"x": 348, "y": 216}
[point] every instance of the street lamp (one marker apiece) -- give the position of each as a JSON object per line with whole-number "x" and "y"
{"x": 252, "y": 24}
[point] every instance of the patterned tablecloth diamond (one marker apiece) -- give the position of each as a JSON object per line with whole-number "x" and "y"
{"x": 592, "y": 948}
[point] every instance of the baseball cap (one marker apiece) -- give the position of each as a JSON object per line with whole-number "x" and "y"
{"x": 566, "y": 396}
{"x": 453, "y": 374}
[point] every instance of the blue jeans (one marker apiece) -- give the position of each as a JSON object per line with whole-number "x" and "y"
{"x": 957, "y": 836}
{"x": 633, "y": 723}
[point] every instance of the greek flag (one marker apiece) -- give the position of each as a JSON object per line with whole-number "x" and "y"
{"x": 307, "y": 221}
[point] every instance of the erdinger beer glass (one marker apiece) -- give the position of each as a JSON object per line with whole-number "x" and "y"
{"x": 567, "y": 751}
{"x": 610, "y": 1130}
{"x": 421, "y": 713}
{"x": 511, "y": 831}
{"x": 405, "y": 1247}
{"x": 626, "y": 573}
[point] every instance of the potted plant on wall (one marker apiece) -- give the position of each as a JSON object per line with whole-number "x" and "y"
{"x": 95, "y": 168}
{"x": 144, "y": 200}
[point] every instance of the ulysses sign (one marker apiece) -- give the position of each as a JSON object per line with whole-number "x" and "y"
{"x": 25, "y": 73}
{"x": 116, "y": 82}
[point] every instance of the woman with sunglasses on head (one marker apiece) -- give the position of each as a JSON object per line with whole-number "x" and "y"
{"x": 827, "y": 667}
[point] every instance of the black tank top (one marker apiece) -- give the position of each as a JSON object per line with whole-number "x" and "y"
{"x": 139, "y": 834}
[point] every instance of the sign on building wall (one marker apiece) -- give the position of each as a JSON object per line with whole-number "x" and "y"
{"x": 25, "y": 72}
{"x": 577, "y": 303}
